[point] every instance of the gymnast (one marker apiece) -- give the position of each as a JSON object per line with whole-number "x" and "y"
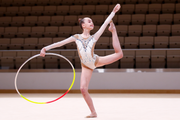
{"x": 85, "y": 47}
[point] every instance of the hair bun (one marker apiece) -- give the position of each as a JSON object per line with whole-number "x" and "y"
{"x": 79, "y": 20}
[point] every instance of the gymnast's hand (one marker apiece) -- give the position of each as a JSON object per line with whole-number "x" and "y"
{"x": 116, "y": 8}
{"x": 43, "y": 52}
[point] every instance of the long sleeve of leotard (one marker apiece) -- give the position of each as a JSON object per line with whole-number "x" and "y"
{"x": 103, "y": 27}
{"x": 59, "y": 44}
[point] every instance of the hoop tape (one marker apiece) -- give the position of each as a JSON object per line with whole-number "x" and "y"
{"x": 51, "y": 100}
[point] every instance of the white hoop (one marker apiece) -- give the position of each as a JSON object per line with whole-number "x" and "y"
{"x": 37, "y": 56}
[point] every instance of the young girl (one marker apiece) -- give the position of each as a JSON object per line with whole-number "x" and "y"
{"x": 85, "y": 46}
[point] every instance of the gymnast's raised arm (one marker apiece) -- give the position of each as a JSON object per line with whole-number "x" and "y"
{"x": 107, "y": 21}
{"x": 57, "y": 44}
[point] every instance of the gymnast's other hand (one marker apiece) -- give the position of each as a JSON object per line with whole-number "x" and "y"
{"x": 43, "y": 52}
{"x": 116, "y": 8}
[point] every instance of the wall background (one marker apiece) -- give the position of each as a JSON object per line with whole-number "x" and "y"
{"x": 101, "y": 80}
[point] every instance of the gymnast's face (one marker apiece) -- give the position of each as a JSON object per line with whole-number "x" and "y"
{"x": 88, "y": 24}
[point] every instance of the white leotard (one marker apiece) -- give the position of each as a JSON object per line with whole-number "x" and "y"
{"x": 85, "y": 49}
{"x": 85, "y": 46}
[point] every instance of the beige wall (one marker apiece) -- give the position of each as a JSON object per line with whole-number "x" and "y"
{"x": 107, "y": 80}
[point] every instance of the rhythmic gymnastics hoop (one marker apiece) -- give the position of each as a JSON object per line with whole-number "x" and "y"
{"x": 51, "y": 100}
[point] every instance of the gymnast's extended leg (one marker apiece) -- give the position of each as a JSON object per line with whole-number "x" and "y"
{"x": 85, "y": 79}
{"x": 117, "y": 48}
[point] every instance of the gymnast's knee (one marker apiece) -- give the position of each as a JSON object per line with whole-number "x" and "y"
{"x": 84, "y": 90}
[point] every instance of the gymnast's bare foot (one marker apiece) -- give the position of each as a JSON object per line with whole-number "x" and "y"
{"x": 112, "y": 27}
{"x": 92, "y": 115}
